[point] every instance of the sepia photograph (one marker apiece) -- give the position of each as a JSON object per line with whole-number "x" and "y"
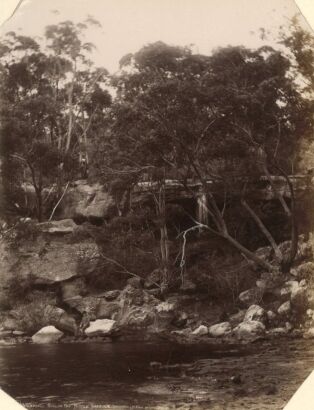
{"x": 157, "y": 204}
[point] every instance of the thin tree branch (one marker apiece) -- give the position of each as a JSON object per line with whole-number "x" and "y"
{"x": 57, "y": 204}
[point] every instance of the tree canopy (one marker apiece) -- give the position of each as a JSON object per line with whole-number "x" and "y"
{"x": 51, "y": 98}
{"x": 225, "y": 120}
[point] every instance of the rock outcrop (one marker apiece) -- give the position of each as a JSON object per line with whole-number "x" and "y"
{"x": 62, "y": 227}
{"x": 48, "y": 334}
{"x": 202, "y": 330}
{"x": 220, "y": 330}
{"x": 51, "y": 262}
{"x": 255, "y": 312}
{"x": 249, "y": 329}
{"x": 63, "y": 290}
{"x": 101, "y": 327}
{"x": 284, "y": 309}
{"x": 84, "y": 201}
{"x": 60, "y": 319}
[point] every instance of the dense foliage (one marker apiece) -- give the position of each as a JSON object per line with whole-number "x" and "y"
{"x": 51, "y": 98}
{"x": 225, "y": 121}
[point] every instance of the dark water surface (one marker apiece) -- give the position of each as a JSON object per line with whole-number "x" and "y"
{"x": 98, "y": 375}
{"x": 158, "y": 375}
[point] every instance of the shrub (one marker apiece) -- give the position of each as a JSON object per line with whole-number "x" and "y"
{"x": 19, "y": 287}
{"x": 32, "y": 315}
{"x": 223, "y": 278}
{"x": 23, "y": 230}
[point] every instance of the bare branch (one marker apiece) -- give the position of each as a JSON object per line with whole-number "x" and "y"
{"x": 57, "y": 204}
{"x": 124, "y": 269}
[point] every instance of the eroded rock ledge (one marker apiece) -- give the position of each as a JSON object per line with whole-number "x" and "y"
{"x": 278, "y": 304}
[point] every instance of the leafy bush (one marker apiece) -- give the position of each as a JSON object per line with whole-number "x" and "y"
{"x": 223, "y": 278}
{"x": 32, "y": 315}
{"x": 19, "y": 287}
{"x": 23, "y": 230}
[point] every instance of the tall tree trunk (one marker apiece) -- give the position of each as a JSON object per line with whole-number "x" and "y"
{"x": 218, "y": 219}
{"x": 222, "y": 231}
{"x": 264, "y": 230}
{"x": 164, "y": 244}
{"x": 70, "y": 118}
{"x": 294, "y": 225}
{"x": 249, "y": 254}
{"x": 164, "y": 248}
{"x": 38, "y": 191}
{"x": 277, "y": 194}
{"x": 291, "y": 214}
{"x": 39, "y": 205}
{"x": 70, "y": 103}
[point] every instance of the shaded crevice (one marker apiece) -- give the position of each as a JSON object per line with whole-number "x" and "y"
{"x": 93, "y": 220}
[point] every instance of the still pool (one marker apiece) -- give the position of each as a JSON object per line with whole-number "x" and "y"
{"x": 157, "y": 375}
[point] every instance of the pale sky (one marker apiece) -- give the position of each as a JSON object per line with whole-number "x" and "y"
{"x": 129, "y": 24}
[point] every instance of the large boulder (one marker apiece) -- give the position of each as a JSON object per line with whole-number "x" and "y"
{"x": 299, "y": 299}
{"x": 101, "y": 327}
{"x": 202, "y": 330}
{"x": 138, "y": 317}
{"x": 166, "y": 313}
{"x": 289, "y": 287}
{"x": 137, "y": 308}
{"x": 166, "y": 307}
{"x": 304, "y": 249}
{"x": 249, "y": 329}
{"x": 251, "y": 296}
{"x": 56, "y": 262}
{"x": 304, "y": 271}
{"x": 60, "y": 319}
{"x": 66, "y": 324}
{"x": 220, "y": 330}
{"x": 284, "y": 309}
{"x": 309, "y": 334}
{"x": 86, "y": 201}
{"x": 255, "y": 312}
{"x": 48, "y": 334}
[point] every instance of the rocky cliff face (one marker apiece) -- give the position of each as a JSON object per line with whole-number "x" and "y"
{"x": 85, "y": 201}
{"x": 44, "y": 282}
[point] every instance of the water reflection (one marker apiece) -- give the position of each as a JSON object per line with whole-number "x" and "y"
{"x": 99, "y": 374}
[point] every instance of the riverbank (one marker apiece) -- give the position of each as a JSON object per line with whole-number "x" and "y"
{"x": 48, "y": 296}
{"x": 139, "y": 347}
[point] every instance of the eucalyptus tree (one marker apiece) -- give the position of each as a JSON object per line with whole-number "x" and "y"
{"x": 229, "y": 118}
{"x": 52, "y": 95}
